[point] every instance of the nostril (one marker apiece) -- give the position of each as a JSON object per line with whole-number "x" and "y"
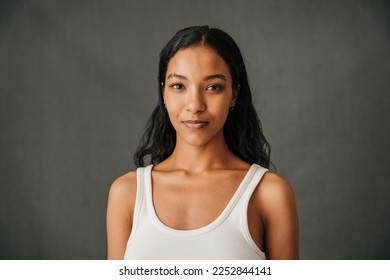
{"x": 195, "y": 105}
{"x": 194, "y": 108}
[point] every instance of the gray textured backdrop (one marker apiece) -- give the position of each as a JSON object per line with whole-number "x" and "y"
{"x": 78, "y": 80}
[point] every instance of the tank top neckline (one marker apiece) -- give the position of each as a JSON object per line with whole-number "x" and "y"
{"x": 214, "y": 224}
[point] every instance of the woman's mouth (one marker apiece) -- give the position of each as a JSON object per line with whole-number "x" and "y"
{"x": 195, "y": 123}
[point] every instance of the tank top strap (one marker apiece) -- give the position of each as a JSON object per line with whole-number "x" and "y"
{"x": 140, "y": 202}
{"x": 248, "y": 184}
{"x": 258, "y": 174}
{"x": 242, "y": 206}
{"x": 247, "y": 187}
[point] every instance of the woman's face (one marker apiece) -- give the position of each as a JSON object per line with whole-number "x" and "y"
{"x": 197, "y": 94}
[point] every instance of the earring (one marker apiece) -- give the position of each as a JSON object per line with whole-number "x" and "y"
{"x": 232, "y": 107}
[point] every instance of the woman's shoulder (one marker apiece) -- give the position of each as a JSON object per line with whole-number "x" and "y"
{"x": 273, "y": 194}
{"x": 124, "y": 188}
{"x": 274, "y": 183}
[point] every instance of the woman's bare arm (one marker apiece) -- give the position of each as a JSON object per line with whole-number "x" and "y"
{"x": 121, "y": 201}
{"x": 279, "y": 214}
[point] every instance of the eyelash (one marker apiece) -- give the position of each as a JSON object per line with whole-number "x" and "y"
{"x": 217, "y": 87}
{"x": 173, "y": 86}
{"x": 179, "y": 87}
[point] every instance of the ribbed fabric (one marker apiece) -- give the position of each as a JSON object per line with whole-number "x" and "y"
{"x": 227, "y": 237}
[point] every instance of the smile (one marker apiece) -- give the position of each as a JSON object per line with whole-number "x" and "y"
{"x": 195, "y": 123}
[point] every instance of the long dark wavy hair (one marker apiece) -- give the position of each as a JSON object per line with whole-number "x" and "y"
{"x": 242, "y": 130}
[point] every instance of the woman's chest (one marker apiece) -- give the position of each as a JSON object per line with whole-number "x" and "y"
{"x": 185, "y": 202}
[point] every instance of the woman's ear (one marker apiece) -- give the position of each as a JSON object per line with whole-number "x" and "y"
{"x": 235, "y": 93}
{"x": 234, "y": 97}
{"x": 162, "y": 90}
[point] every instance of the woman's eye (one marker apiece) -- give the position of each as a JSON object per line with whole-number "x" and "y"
{"x": 177, "y": 86}
{"x": 214, "y": 87}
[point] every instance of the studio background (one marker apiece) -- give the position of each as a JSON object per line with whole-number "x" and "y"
{"x": 78, "y": 81}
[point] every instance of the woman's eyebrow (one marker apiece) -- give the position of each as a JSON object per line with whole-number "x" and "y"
{"x": 174, "y": 75}
{"x": 215, "y": 76}
{"x": 209, "y": 77}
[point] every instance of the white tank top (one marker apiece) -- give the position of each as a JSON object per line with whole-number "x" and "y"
{"x": 227, "y": 237}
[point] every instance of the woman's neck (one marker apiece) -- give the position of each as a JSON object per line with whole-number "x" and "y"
{"x": 197, "y": 159}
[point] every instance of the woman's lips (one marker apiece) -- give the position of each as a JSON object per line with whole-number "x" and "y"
{"x": 195, "y": 123}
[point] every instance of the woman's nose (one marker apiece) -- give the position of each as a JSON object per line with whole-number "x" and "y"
{"x": 195, "y": 102}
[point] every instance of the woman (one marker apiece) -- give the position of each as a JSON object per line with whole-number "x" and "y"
{"x": 207, "y": 193}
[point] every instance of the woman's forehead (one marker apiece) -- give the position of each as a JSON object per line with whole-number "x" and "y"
{"x": 197, "y": 61}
